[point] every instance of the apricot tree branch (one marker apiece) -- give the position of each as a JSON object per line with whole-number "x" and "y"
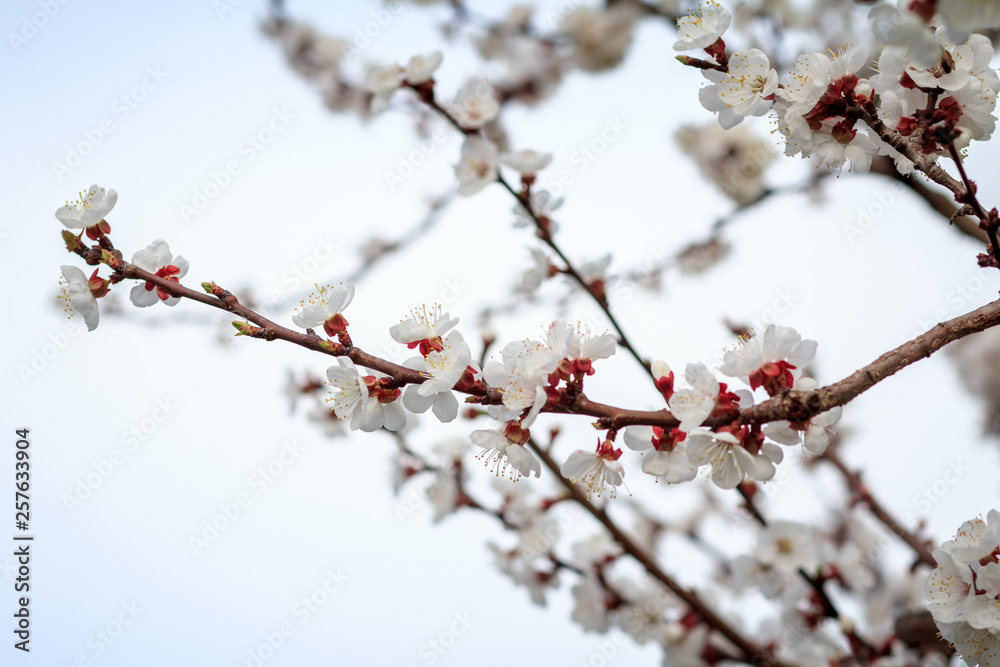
{"x": 751, "y": 652}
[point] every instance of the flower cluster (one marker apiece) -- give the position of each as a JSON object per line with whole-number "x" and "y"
{"x": 80, "y": 292}
{"x": 964, "y": 590}
{"x": 932, "y": 89}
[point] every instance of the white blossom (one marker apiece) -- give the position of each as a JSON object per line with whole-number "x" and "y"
{"x": 89, "y": 209}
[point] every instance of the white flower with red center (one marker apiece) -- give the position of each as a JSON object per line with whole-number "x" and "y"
{"x": 324, "y": 307}
{"x": 692, "y": 406}
{"x": 702, "y": 27}
{"x": 521, "y": 378}
{"x": 976, "y": 646}
{"x": 352, "y": 392}
{"x": 82, "y": 293}
{"x": 423, "y": 330}
{"x": 156, "y": 258}
{"x": 705, "y": 397}
{"x": 773, "y": 360}
{"x": 669, "y": 460}
{"x": 505, "y": 450}
{"x": 806, "y": 83}
{"x": 734, "y": 458}
{"x": 89, "y": 209}
{"x": 476, "y": 104}
{"x": 368, "y": 401}
{"x": 527, "y": 162}
{"x": 750, "y": 85}
{"x": 577, "y": 349}
{"x": 812, "y": 434}
{"x": 663, "y": 378}
{"x": 421, "y": 67}
{"x": 596, "y": 469}
{"x": 964, "y": 590}
{"x": 477, "y": 167}
{"x": 834, "y": 144}
{"x": 446, "y": 367}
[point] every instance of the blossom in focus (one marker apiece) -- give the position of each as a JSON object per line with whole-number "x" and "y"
{"x": 702, "y": 27}
{"x": 578, "y": 348}
{"x": 521, "y": 376}
{"x": 731, "y": 462}
{"x": 80, "y": 295}
{"x": 89, "y": 209}
{"x": 368, "y": 406}
{"x": 595, "y": 469}
{"x": 812, "y": 434}
{"x": 669, "y": 459}
{"x": 423, "y": 330}
{"x": 352, "y": 393}
{"x": 963, "y": 591}
{"x": 445, "y": 367}
{"x": 324, "y": 307}
{"x": 156, "y": 258}
{"x": 750, "y": 84}
{"x": 505, "y": 453}
{"x": 773, "y": 360}
{"x": 693, "y": 406}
